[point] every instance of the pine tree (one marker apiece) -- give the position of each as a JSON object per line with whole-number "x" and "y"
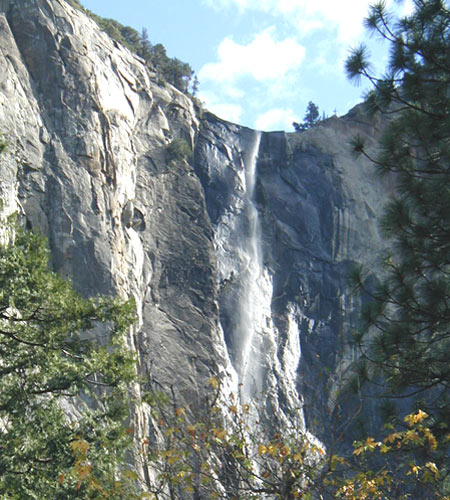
{"x": 312, "y": 115}
{"x": 311, "y": 118}
{"x": 405, "y": 338}
{"x": 195, "y": 86}
{"x": 49, "y": 362}
{"x": 145, "y": 47}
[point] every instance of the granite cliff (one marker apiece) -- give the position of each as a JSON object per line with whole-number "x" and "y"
{"x": 237, "y": 257}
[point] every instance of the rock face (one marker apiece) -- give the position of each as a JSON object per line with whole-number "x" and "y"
{"x": 317, "y": 211}
{"x": 237, "y": 258}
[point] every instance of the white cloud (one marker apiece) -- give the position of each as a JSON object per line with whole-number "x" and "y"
{"x": 264, "y": 58}
{"x": 225, "y": 110}
{"x": 345, "y": 16}
{"x": 230, "y": 112}
{"x": 308, "y": 15}
{"x": 407, "y": 8}
{"x": 264, "y": 5}
{"x": 272, "y": 73}
{"x": 275, "y": 119}
{"x": 329, "y": 59}
{"x": 233, "y": 92}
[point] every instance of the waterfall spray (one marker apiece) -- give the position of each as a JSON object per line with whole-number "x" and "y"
{"x": 246, "y": 284}
{"x": 248, "y": 307}
{"x": 256, "y": 292}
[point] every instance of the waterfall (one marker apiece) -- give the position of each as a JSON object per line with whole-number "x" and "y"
{"x": 254, "y": 310}
{"x": 264, "y": 349}
{"x": 246, "y": 285}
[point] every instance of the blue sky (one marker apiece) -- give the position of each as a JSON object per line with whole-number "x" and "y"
{"x": 259, "y": 62}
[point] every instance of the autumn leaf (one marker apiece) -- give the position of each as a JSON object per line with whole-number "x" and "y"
{"x": 415, "y": 469}
{"x": 431, "y": 439}
{"x": 384, "y": 448}
{"x": 411, "y": 436}
{"x": 371, "y": 444}
{"x": 173, "y": 459}
{"x": 392, "y": 437}
{"x": 180, "y": 412}
{"x": 358, "y": 451}
{"x": 415, "y": 418}
{"x": 262, "y": 450}
{"x": 83, "y": 472}
{"x": 285, "y": 451}
{"x": 220, "y": 434}
{"x": 213, "y": 382}
{"x": 432, "y": 467}
{"x": 80, "y": 446}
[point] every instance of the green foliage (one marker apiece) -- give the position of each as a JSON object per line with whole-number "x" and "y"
{"x": 176, "y": 72}
{"x": 50, "y": 360}
{"x": 178, "y": 150}
{"x": 3, "y": 144}
{"x": 74, "y": 3}
{"x": 312, "y": 115}
{"x": 311, "y": 118}
{"x": 405, "y": 336}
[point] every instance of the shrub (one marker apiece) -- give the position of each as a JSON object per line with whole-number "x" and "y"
{"x": 179, "y": 150}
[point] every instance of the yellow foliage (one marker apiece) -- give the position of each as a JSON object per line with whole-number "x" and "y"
{"x": 432, "y": 467}
{"x": 358, "y": 451}
{"x": 371, "y": 444}
{"x": 213, "y": 382}
{"x": 411, "y": 436}
{"x": 83, "y": 471}
{"x": 415, "y": 469}
{"x": 392, "y": 437}
{"x": 415, "y": 418}
{"x": 220, "y": 434}
{"x": 430, "y": 438}
{"x": 130, "y": 474}
{"x": 336, "y": 459}
{"x": 272, "y": 449}
{"x": 285, "y": 451}
{"x": 173, "y": 459}
{"x": 180, "y": 412}
{"x": 262, "y": 449}
{"x": 80, "y": 447}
